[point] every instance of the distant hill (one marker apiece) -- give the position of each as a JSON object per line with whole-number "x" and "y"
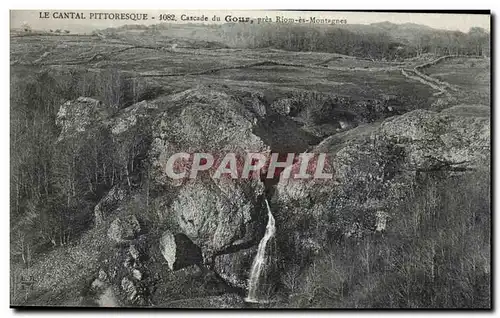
{"x": 406, "y": 32}
{"x": 389, "y": 25}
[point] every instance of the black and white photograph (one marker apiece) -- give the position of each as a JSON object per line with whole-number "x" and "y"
{"x": 250, "y": 159}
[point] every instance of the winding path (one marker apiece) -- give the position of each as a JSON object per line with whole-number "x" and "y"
{"x": 415, "y": 73}
{"x": 441, "y": 86}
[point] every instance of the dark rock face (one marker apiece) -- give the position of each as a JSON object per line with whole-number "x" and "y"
{"x": 179, "y": 251}
{"x": 235, "y": 267}
{"x": 374, "y": 169}
{"x": 130, "y": 131}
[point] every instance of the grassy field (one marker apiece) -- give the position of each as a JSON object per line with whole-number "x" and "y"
{"x": 190, "y": 63}
{"x": 470, "y": 75}
{"x": 326, "y": 72}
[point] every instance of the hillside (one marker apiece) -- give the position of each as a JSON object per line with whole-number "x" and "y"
{"x": 97, "y": 221}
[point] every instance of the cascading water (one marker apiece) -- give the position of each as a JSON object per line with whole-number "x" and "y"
{"x": 259, "y": 261}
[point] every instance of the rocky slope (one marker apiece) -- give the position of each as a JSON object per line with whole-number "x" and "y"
{"x": 216, "y": 224}
{"x": 375, "y": 169}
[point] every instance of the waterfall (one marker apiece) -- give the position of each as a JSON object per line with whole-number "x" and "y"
{"x": 259, "y": 261}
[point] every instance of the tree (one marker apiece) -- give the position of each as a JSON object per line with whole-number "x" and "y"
{"x": 479, "y": 41}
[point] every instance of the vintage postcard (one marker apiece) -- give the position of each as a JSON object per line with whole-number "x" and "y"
{"x": 250, "y": 159}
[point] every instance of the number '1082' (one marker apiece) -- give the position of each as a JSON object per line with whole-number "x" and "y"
{"x": 167, "y": 17}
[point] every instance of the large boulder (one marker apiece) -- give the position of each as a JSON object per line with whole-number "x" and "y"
{"x": 108, "y": 298}
{"x": 219, "y": 214}
{"x": 168, "y": 248}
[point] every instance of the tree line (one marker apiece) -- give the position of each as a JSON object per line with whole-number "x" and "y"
{"x": 376, "y": 44}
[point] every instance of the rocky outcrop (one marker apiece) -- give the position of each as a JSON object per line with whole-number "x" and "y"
{"x": 202, "y": 121}
{"x": 104, "y": 294}
{"x": 434, "y": 140}
{"x": 109, "y": 202}
{"x": 220, "y": 221}
{"x": 374, "y": 170}
{"x": 77, "y": 116}
{"x": 124, "y": 229}
{"x": 129, "y": 288}
{"x": 108, "y": 298}
{"x": 196, "y": 120}
{"x": 214, "y": 214}
{"x": 130, "y": 131}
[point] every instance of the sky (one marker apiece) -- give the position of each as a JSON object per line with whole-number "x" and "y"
{"x": 461, "y": 22}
